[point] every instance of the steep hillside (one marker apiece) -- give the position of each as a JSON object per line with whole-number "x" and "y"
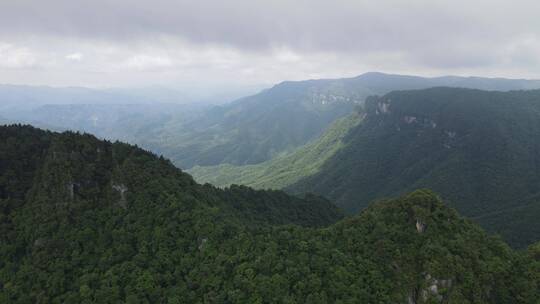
{"x": 478, "y": 149}
{"x": 248, "y": 131}
{"x": 70, "y": 166}
{"x": 278, "y": 120}
{"x": 256, "y": 128}
{"x": 86, "y": 221}
{"x": 517, "y": 225}
{"x": 284, "y": 170}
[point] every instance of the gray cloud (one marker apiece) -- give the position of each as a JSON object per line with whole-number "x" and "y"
{"x": 430, "y": 37}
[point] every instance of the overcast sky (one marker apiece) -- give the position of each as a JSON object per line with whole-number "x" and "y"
{"x": 250, "y": 42}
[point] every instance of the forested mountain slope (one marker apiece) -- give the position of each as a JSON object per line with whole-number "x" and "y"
{"x": 278, "y": 120}
{"x": 70, "y": 166}
{"x": 284, "y": 170}
{"x": 86, "y": 221}
{"x": 480, "y": 150}
{"x": 248, "y": 131}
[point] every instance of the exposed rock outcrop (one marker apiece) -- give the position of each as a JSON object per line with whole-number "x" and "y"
{"x": 420, "y": 226}
{"x": 122, "y": 189}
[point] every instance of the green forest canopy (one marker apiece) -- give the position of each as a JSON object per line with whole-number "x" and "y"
{"x": 88, "y": 221}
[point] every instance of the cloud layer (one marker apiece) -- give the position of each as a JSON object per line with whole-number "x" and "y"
{"x": 121, "y": 42}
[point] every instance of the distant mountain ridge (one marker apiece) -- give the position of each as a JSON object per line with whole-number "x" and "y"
{"x": 27, "y": 97}
{"x": 257, "y": 128}
{"x": 21, "y": 97}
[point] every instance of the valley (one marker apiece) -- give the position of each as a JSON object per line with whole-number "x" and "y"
{"x": 269, "y": 152}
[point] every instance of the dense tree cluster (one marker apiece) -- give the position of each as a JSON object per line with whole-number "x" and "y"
{"x": 88, "y": 221}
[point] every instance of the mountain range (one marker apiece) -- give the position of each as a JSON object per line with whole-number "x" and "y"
{"x": 84, "y": 220}
{"x": 249, "y": 130}
{"x": 478, "y": 149}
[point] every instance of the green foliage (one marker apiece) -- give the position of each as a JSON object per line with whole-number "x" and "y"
{"x": 284, "y": 170}
{"x": 255, "y": 128}
{"x": 478, "y": 149}
{"x": 517, "y": 225}
{"x": 247, "y": 131}
{"x": 87, "y": 221}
